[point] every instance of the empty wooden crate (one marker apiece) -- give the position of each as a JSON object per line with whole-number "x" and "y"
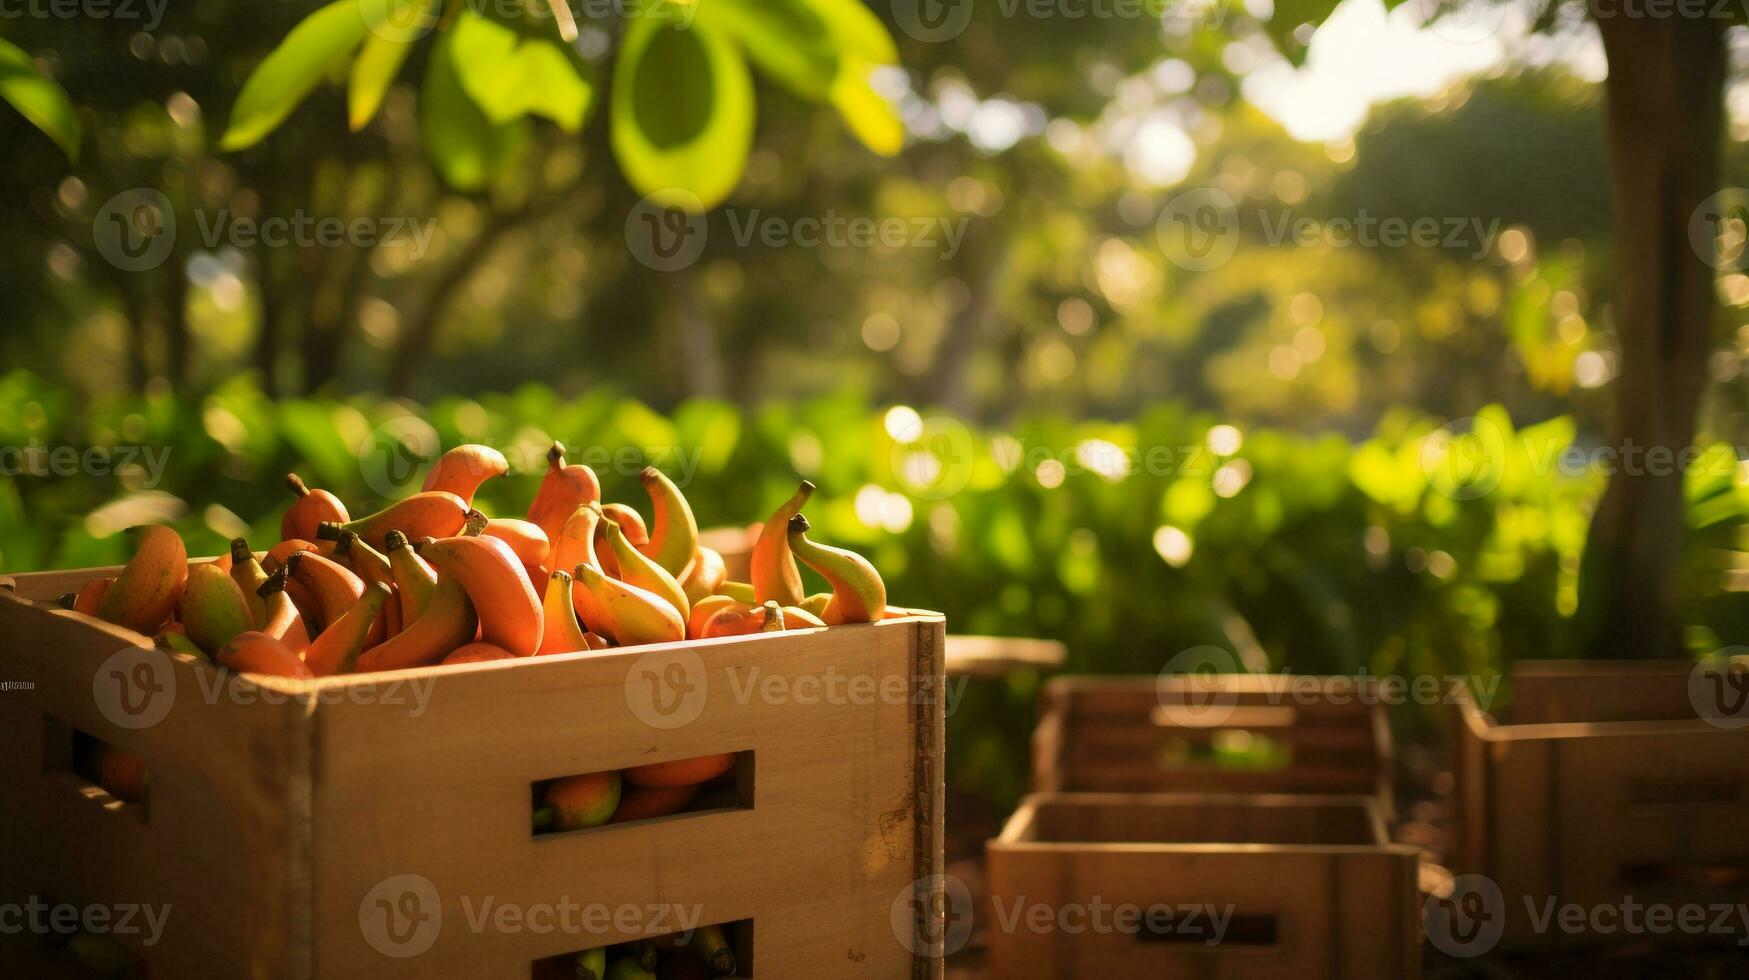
{"x": 1228, "y": 733}
{"x": 380, "y": 825}
{"x": 1215, "y": 887}
{"x": 1604, "y": 785}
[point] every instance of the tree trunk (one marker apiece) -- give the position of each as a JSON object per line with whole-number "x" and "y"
{"x": 1665, "y": 111}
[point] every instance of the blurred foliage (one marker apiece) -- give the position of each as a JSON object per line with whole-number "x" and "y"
{"x": 1418, "y": 550}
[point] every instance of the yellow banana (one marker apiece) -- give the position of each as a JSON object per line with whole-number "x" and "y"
{"x": 858, "y": 594}
{"x": 636, "y": 568}
{"x": 415, "y": 579}
{"x": 674, "y": 532}
{"x": 632, "y": 615}
{"x": 560, "y": 633}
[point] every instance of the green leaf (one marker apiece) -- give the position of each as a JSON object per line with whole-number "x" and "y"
{"x": 869, "y": 115}
{"x": 465, "y": 146}
{"x": 292, "y": 70}
{"x": 787, "y": 39}
{"x": 39, "y": 99}
{"x": 860, "y": 34}
{"x": 509, "y": 76}
{"x": 557, "y": 86}
{"x": 390, "y": 41}
{"x": 682, "y": 119}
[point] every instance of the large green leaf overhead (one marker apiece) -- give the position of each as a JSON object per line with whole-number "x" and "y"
{"x": 464, "y": 145}
{"x": 682, "y": 117}
{"x": 38, "y": 99}
{"x": 292, "y": 70}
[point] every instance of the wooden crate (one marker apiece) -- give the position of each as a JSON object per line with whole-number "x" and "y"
{"x": 1604, "y": 783}
{"x": 271, "y": 826}
{"x": 1310, "y": 887}
{"x": 1118, "y": 734}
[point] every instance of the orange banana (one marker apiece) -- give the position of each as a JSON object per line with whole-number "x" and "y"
{"x": 283, "y": 621}
{"x": 89, "y": 598}
{"x": 525, "y": 538}
{"x": 706, "y": 576}
{"x": 674, "y": 533}
{"x": 575, "y": 544}
{"x": 461, "y": 470}
{"x": 148, "y": 587}
{"x": 858, "y": 594}
{"x": 257, "y": 653}
{"x": 309, "y": 510}
{"x": 338, "y": 648}
{"x": 636, "y": 568}
{"x": 331, "y": 586}
{"x": 562, "y": 491}
{"x": 474, "y": 653}
{"x": 509, "y": 609}
{"x": 630, "y": 615}
{"x": 772, "y": 566}
{"x": 560, "y": 633}
{"x": 740, "y": 620}
{"x": 448, "y": 623}
{"x": 277, "y": 555}
{"x": 704, "y": 609}
{"x": 437, "y": 513}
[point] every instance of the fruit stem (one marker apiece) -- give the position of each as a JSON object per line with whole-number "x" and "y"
{"x": 393, "y": 540}
{"x": 296, "y": 483}
{"x": 330, "y": 531}
{"x": 240, "y": 551}
{"x": 799, "y": 524}
{"x": 556, "y": 455}
{"x": 276, "y": 581}
{"x": 474, "y": 524}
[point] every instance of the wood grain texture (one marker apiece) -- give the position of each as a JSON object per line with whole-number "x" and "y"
{"x": 1319, "y": 870}
{"x": 1116, "y": 734}
{"x": 277, "y": 811}
{"x": 1616, "y": 788}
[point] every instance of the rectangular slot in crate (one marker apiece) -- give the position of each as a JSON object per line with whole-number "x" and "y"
{"x": 368, "y": 821}
{"x": 667, "y": 952}
{"x": 1269, "y": 734}
{"x": 1602, "y": 783}
{"x": 637, "y": 795}
{"x": 1226, "y": 886}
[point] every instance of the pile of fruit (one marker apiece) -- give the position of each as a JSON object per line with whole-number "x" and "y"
{"x": 699, "y": 954}
{"x": 430, "y": 580}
